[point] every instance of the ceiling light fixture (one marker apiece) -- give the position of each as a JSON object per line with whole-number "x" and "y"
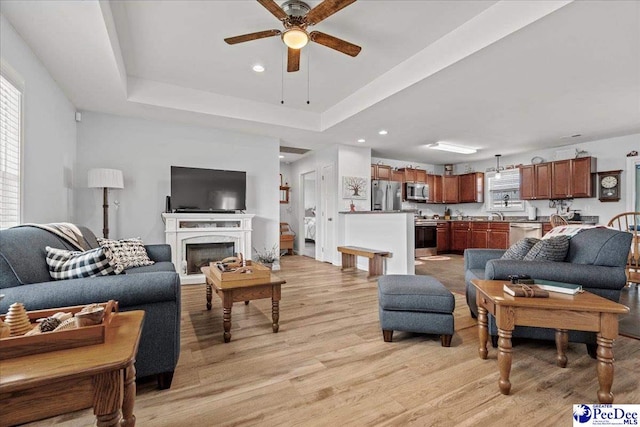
{"x": 295, "y": 38}
{"x": 258, "y": 68}
{"x": 361, "y": 140}
{"x": 444, "y": 146}
{"x": 497, "y": 175}
{"x": 383, "y": 132}
{"x": 281, "y": 156}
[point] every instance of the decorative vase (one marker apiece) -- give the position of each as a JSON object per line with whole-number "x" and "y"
{"x": 18, "y": 320}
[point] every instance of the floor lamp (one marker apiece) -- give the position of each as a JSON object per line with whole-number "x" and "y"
{"x": 105, "y": 179}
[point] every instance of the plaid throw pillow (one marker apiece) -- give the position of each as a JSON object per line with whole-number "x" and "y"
{"x": 553, "y": 249}
{"x": 64, "y": 264}
{"x": 520, "y": 249}
{"x": 127, "y": 253}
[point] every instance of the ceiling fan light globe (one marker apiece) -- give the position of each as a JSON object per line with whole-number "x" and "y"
{"x": 295, "y": 38}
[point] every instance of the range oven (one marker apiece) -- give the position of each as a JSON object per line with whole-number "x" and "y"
{"x": 426, "y": 237}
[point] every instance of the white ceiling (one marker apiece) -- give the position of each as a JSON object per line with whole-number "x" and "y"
{"x": 505, "y": 77}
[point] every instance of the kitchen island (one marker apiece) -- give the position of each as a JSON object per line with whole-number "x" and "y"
{"x": 391, "y": 231}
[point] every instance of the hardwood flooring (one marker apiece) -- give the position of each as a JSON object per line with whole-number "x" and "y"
{"x": 329, "y": 365}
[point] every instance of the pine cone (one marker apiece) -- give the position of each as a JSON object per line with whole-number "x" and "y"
{"x": 49, "y": 324}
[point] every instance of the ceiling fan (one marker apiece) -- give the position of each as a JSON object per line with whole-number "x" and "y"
{"x": 296, "y": 16}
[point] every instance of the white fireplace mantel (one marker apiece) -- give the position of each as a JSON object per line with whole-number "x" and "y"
{"x": 183, "y": 228}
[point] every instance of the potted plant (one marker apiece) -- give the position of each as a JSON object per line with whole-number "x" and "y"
{"x": 267, "y": 257}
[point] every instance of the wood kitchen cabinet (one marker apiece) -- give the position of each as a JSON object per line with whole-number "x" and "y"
{"x": 382, "y": 172}
{"x": 397, "y": 175}
{"x": 471, "y": 187}
{"x": 460, "y": 236}
{"x": 409, "y": 174}
{"x": 450, "y": 185}
{"x": 421, "y": 176}
{"x": 435, "y": 188}
{"x": 573, "y": 178}
{"x": 479, "y": 234}
{"x": 498, "y": 236}
{"x": 444, "y": 234}
{"x": 535, "y": 181}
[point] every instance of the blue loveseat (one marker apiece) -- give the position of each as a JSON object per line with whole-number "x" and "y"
{"x": 596, "y": 260}
{"x": 24, "y": 277}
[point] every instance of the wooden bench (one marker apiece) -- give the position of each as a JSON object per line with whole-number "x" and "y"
{"x": 376, "y": 258}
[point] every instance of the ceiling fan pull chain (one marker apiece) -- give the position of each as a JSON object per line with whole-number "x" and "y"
{"x": 308, "y": 72}
{"x": 282, "y": 79}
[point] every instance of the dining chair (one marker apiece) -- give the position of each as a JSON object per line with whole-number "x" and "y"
{"x": 630, "y": 222}
{"x": 557, "y": 220}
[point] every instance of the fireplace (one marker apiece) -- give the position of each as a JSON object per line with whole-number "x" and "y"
{"x": 200, "y": 254}
{"x": 196, "y": 239}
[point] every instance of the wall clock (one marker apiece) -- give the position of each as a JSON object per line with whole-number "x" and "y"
{"x": 609, "y": 186}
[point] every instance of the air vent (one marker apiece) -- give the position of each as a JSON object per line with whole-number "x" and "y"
{"x": 294, "y": 150}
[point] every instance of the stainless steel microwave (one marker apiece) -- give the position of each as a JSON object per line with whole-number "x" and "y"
{"x": 417, "y": 191}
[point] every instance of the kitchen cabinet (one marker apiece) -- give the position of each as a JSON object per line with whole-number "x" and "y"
{"x": 409, "y": 174}
{"x": 397, "y": 175}
{"x": 479, "y": 234}
{"x": 443, "y": 230}
{"x": 450, "y": 185}
{"x": 471, "y": 187}
{"x": 498, "y": 236}
{"x": 460, "y": 236}
{"x": 535, "y": 181}
{"x": 382, "y": 172}
{"x": 421, "y": 176}
{"x": 435, "y": 188}
{"x": 573, "y": 178}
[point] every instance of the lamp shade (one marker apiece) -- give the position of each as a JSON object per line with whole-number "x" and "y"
{"x": 105, "y": 178}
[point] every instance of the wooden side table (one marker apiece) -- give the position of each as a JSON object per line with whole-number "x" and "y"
{"x": 101, "y": 376}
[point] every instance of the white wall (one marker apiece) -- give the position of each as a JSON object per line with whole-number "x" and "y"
{"x": 49, "y": 138}
{"x": 356, "y": 162}
{"x": 145, "y": 149}
{"x": 286, "y": 209}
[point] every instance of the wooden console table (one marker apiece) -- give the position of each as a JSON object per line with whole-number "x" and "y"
{"x": 241, "y": 292}
{"x": 582, "y": 312}
{"x": 101, "y": 376}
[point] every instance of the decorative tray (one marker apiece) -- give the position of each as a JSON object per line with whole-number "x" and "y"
{"x": 253, "y": 273}
{"x": 18, "y": 346}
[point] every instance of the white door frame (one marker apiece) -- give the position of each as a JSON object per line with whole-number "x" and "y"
{"x": 325, "y": 251}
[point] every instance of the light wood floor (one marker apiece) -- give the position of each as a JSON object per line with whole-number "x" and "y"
{"x": 328, "y": 365}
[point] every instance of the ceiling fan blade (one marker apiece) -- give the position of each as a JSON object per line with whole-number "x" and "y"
{"x": 326, "y": 9}
{"x": 275, "y": 10}
{"x": 293, "y": 60}
{"x": 252, "y": 36}
{"x": 335, "y": 43}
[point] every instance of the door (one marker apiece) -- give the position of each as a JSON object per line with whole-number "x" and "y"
{"x": 328, "y": 215}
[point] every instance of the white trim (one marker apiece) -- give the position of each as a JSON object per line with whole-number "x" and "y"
{"x": 632, "y": 191}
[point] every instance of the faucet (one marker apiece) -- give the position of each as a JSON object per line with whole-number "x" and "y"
{"x": 499, "y": 214}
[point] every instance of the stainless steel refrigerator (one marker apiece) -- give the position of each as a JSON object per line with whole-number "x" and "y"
{"x": 386, "y": 195}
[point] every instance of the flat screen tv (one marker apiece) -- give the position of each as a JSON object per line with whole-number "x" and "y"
{"x": 207, "y": 190}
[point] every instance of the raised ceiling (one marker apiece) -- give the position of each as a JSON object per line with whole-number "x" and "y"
{"x": 501, "y": 76}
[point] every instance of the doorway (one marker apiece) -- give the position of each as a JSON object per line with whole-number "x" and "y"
{"x": 310, "y": 203}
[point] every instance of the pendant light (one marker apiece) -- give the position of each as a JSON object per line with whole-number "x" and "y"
{"x": 497, "y": 175}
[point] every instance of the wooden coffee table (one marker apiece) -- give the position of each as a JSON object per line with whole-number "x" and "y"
{"x": 582, "y": 312}
{"x": 246, "y": 293}
{"x": 101, "y": 376}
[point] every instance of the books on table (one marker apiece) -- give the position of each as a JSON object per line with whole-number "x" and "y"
{"x": 522, "y": 290}
{"x": 563, "y": 288}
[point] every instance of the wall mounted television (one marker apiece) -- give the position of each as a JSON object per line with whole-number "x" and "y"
{"x": 207, "y": 190}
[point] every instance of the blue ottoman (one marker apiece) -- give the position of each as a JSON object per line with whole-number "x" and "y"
{"x": 415, "y": 304}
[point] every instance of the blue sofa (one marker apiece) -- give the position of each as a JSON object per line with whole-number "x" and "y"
{"x": 596, "y": 260}
{"x": 24, "y": 277}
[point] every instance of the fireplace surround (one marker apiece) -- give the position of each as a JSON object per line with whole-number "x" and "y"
{"x": 197, "y": 238}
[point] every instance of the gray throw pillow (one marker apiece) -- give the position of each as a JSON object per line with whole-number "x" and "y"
{"x": 520, "y": 249}
{"x": 554, "y": 249}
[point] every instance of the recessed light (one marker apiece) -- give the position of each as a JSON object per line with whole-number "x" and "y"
{"x": 382, "y": 132}
{"x": 258, "y": 68}
{"x": 281, "y": 156}
{"x": 361, "y": 140}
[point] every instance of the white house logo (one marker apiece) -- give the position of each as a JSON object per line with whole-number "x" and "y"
{"x": 606, "y": 415}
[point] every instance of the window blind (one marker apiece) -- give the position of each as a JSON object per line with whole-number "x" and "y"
{"x": 10, "y": 135}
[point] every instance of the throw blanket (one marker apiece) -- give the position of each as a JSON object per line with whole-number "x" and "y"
{"x": 568, "y": 230}
{"x": 66, "y": 231}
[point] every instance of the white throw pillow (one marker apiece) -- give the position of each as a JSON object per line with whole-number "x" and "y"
{"x": 127, "y": 253}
